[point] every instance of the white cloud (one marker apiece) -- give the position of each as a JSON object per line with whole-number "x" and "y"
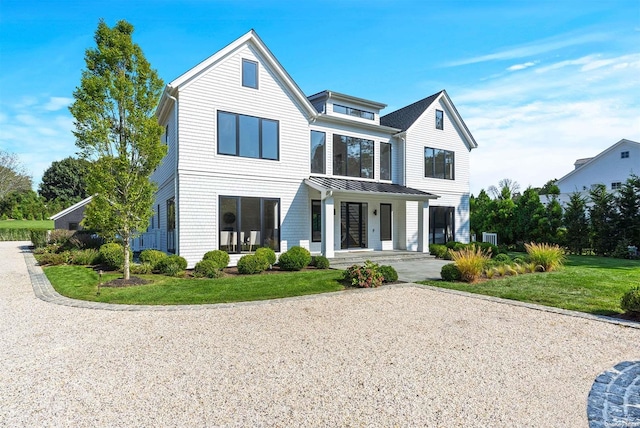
{"x": 535, "y": 48}
{"x": 57, "y": 103}
{"x": 517, "y": 67}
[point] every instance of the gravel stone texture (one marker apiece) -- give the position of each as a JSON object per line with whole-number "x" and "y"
{"x": 394, "y": 356}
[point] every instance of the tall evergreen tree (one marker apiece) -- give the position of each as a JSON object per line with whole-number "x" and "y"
{"x": 115, "y": 127}
{"x": 529, "y": 217}
{"x": 602, "y": 219}
{"x": 552, "y": 220}
{"x": 628, "y": 203}
{"x": 575, "y": 220}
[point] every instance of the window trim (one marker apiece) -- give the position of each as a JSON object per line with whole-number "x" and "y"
{"x": 324, "y": 157}
{"x": 624, "y": 154}
{"x": 440, "y": 124}
{"x": 248, "y": 61}
{"x": 316, "y": 203}
{"x": 237, "y": 135}
{"x": 453, "y": 169}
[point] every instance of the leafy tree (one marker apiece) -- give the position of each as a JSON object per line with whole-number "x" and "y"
{"x": 628, "y": 203}
{"x": 65, "y": 181}
{"x": 480, "y": 213}
{"x": 529, "y": 216}
{"x": 549, "y": 188}
{"x": 575, "y": 220}
{"x": 23, "y": 205}
{"x": 13, "y": 175}
{"x": 115, "y": 127}
{"x": 602, "y": 219}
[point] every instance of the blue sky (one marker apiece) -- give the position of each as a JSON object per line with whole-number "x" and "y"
{"x": 538, "y": 83}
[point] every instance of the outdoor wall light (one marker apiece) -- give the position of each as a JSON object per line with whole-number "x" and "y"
{"x": 375, "y": 212}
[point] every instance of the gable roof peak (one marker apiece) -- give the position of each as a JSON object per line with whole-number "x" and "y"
{"x": 405, "y": 117}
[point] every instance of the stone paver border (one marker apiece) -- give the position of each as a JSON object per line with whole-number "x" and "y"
{"x": 45, "y": 291}
{"x": 614, "y": 400}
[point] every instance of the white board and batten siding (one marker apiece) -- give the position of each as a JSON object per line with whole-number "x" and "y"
{"x": 204, "y": 175}
{"x": 453, "y": 193}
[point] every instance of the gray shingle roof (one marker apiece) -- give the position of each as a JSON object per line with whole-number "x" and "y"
{"x": 343, "y": 185}
{"x": 404, "y": 118}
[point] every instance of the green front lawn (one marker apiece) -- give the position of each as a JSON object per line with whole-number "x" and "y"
{"x": 26, "y": 224}
{"x": 585, "y": 283}
{"x": 79, "y": 282}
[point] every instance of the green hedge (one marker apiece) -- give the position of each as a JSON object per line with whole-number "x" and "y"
{"x": 15, "y": 235}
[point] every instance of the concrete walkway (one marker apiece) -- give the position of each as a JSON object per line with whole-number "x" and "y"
{"x": 394, "y": 356}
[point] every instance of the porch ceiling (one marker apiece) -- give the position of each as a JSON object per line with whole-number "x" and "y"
{"x": 340, "y": 185}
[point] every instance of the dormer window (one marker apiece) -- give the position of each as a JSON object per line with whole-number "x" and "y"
{"x": 439, "y": 119}
{"x": 249, "y": 74}
{"x": 624, "y": 155}
{"x": 337, "y": 108}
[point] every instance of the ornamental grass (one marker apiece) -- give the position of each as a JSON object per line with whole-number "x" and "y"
{"x": 549, "y": 257}
{"x": 470, "y": 262}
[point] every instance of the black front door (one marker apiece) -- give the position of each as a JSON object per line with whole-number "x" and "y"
{"x": 353, "y": 221}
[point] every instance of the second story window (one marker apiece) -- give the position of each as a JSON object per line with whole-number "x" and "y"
{"x": 624, "y": 155}
{"x": 247, "y": 136}
{"x": 352, "y": 157}
{"x": 249, "y": 74}
{"x": 318, "y": 144}
{"x": 385, "y": 161}
{"x": 439, "y": 119}
{"x": 616, "y": 185}
{"x": 438, "y": 163}
{"x": 353, "y": 112}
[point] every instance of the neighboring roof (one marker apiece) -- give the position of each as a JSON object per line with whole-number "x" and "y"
{"x": 72, "y": 208}
{"x": 355, "y": 186}
{"x": 580, "y": 162}
{"x": 596, "y": 158}
{"x": 405, "y": 117}
{"x": 252, "y": 38}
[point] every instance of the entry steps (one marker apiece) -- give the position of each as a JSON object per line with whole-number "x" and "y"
{"x": 346, "y": 259}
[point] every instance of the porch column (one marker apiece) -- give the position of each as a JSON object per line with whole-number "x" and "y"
{"x": 327, "y": 227}
{"x": 423, "y": 227}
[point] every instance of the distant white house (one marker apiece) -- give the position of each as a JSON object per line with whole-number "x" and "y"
{"x": 252, "y": 161}
{"x": 612, "y": 167}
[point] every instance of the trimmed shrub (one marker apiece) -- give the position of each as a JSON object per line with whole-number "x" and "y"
{"x": 112, "y": 255}
{"x": 17, "y": 235}
{"x": 438, "y": 250}
{"x": 294, "y": 259}
{"x": 218, "y": 257}
{"x": 85, "y": 239}
{"x": 470, "y": 262}
{"x": 502, "y": 258}
{"x": 389, "y": 273}
{"x": 152, "y": 257}
{"x": 321, "y": 262}
{"x": 519, "y": 260}
{"x": 367, "y": 276}
{"x": 85, "y": 257}
{"x": 550, "y": 257}
{"x": 51, "y": 259}
{"x": 630, "y": 301}
{"x": 207, "y": 268}
{"x": 268, "y": 254}
{"x": 38, "y": 238}
{"x": 172, "y": 265}
{"x": 141, "y": 269}
{"x": 450, "y": 272}
{"x": 251, "y": 264}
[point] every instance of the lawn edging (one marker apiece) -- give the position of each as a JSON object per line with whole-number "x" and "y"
{"x": 534, "y": 306}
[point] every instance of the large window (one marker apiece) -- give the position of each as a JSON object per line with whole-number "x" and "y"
{"x": 171, "y": 225}
{"x": 318, "y": 142}
{"x": 439, "y": 119}
{"x": 337, "y": 108}
{"x": 316, "y": 220}
{"x": 439, "y": 163}
{"x": 352, "y": 157}
{"x": 249, "y": 74}
{"x": 247, "y": 136}
{"x": 385, "y": 161}
{"x": 441, "y": 225}
{"x": 249, "y": 223}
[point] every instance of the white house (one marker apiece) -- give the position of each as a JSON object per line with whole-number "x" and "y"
{"x": 611, "y": 167}
{"x": 252, "y": 161}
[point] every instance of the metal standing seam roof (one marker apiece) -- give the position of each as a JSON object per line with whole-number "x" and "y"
{"x": 356, "y": 186}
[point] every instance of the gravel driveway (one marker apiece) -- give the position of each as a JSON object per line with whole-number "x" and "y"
{"x": 388, "y": 357}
